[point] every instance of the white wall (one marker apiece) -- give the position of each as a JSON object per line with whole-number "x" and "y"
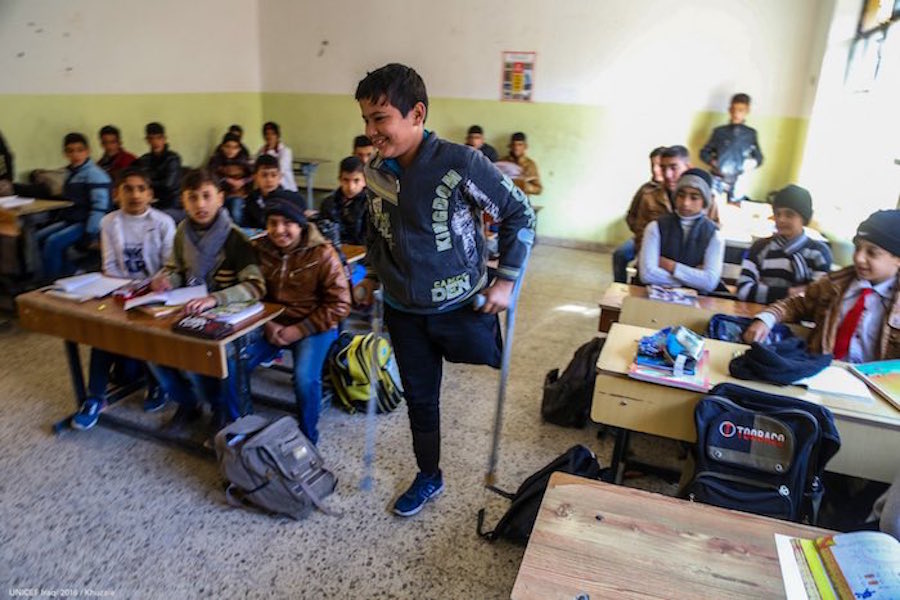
{"x": 127, "y": 46}
{"x": 609, "y": 53}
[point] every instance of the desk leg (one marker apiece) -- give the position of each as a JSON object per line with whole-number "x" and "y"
{"x": 74, "y": 360}
{"x": 620, "y": 455}
{"x": 238, "y": 349}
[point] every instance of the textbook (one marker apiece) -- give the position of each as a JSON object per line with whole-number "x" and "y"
{"x": 88, "y": 286}
{"x": 697, "y": 381}
{"x": 844, "y": 566}
{"x": 883, "y": 376}
{"x": 175, "y": 297}
{"x": 235, "y": 312}
{"x": 684, "y": 296}
{"x": 9, "y": 202}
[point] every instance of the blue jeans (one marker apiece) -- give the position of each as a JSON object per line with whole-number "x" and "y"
{"x": 309, "y": 356}
{"x": 623, "y": 255}
{"x": 54, "y": 240}
{"x": 235, "y": 206}
{"x": 187, "y": 389}
{"x": 101, "y": 363}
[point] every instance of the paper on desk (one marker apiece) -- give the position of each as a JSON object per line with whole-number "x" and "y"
{"x": 14, "y": 201}
{"x": 794, "y": 588}
{"x": 173, "y": 297}
{"x": 88, "y": 286}
{"x": 838, "y": 381}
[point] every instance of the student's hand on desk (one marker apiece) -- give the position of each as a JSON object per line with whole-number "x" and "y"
{"x": 160, "y": 283}
{"x": 667, "y": 264}
{"x": 756, "y": 332}
{"x": 497, "y": 297}
{"x": 198, "y": 305}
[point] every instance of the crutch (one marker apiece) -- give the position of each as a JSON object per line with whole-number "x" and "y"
{"x": 526, "y": 237}
{"x": 366, "y": 483}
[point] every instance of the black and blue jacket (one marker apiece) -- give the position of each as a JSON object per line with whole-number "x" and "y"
{"x": 730, "y": 145}
{"x": 88, "y": 188}
{"x": 425, "y": 233}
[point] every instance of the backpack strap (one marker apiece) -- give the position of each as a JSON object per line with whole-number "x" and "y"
{"x": 317, "y": 500}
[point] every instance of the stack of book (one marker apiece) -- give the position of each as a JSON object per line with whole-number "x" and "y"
{"x": 88, "y": 286}
{"x": 674, "y": 357}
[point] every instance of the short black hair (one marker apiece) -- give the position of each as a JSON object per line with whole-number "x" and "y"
{"x": 475, "y": 130}
{"x": 351, "y": 164}
{"x": 110, "y": 130}
{"x": 154, "y": 128}
{"x": 231, "y": 137}
{"x": 676, "y": 151}
{"x": 195, "y": 179}
{"x": 75, "y": 138}
{"x": 740, "y": 99}
{"x": 266, "y": 161}
{"x": 361, "y": 141}
{"x": 133, "y": 172}
{"x": 396, "y": 84}
{"x": 518, "y": 137}
{"x": 657, "y": 151}
{"x": 235, "y": 128}
{"x": 273, "y": 126}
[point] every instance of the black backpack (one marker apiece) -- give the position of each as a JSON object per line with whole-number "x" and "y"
{"x": 761, "y": 453}
{"x": 516, "y": 525}
{"x": 567, "y": 398}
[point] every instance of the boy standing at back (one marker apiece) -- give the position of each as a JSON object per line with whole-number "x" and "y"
{"x": 164, "y": 168}
{"x": 732, "y": 150}
{"x": 426, "y": 246}
{"x": 88, "y": 188}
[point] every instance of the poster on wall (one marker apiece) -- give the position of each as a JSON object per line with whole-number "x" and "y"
{"x": 517, "y": 78}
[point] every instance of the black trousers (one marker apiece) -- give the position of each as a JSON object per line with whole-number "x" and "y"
{"x": 421, "y": 343}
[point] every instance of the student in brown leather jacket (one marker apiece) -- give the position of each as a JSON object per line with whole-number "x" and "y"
{"x": 304, "y": 274}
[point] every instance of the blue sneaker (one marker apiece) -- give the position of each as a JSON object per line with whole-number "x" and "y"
{"x": 154, "y": 400}
{"x": 88, "y": 415}
{"x": 423, "y": 489}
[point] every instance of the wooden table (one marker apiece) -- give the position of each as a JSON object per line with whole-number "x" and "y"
{"x": 19, "y": 222}
{"x": 595, "y": 541}
{"x": 353, "y": 252}
{"x": 104, "y": 324}
{"x": 614, "y": 297}
{"x": 870, "y": 433}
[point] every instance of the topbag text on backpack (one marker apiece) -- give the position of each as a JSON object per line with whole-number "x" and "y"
{"x": 516, "y": 525}
{"x": 273, "y": 466}
{"x": 761, "y": 453}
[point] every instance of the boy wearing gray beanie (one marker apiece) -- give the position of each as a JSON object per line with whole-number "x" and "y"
{"x": 684, "y": 248}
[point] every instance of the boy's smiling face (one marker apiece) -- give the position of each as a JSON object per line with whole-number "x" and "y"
{"x": 873, "y": 263}
{"x": 392, "y": 134}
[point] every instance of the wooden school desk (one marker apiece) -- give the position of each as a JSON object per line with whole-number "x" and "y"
{"x": 870, "y": 433}
{"x": 353, "y": 252}
{"x": 594, "y": 540}
{"x": 104, "y": 324}
{"x": 20, "y": 222}
{"x": 613, "y": 298}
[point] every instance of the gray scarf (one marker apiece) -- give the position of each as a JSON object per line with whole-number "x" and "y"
{"x": 201, "y": 247}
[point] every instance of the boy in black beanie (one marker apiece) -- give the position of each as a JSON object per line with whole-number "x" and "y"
{"x": 782, "y": 265}
{"x": 855, "y": 309}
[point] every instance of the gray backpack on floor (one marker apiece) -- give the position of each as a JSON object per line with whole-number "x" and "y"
{"x": 271, "y": 465}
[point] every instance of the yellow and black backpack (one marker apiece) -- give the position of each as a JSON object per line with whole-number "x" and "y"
{"x": 350, "y": 372}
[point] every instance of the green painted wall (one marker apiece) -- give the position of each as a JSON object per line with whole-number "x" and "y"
{"x": 588, "y": 160}
{"x": 34, "y": 125}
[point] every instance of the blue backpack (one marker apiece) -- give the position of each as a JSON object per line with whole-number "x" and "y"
{"x": 730, "y": 328}
{"x": 761, "y": 453}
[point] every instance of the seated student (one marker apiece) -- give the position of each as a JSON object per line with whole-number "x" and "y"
{"x": 135, "y": 240}
{"x": 529, "y": 181}
{"x": 658, "y": 201}
{"x": 347, "y": 206}
{"x": 475, "y": 138}
{"x": 267, "y": 185}
{"x": 208, "y": 248}
{"x": 7, "y": 174}
{"x": 363, "y": 149}
{"x": 304, "y": 274}
{"x": 626, "y": 253}
{"x": 87, "y": 187}
{"x": 855, "y": 309}
{"x": 782, "y": 265}
{"x": 284, "y": 155}
{"x": 164, "y": 168}
{"x": 684, "y": 249}
{"x": 115, "y": 158}
{"x": 234, "y": 172}
{"x": 239, "y": 132}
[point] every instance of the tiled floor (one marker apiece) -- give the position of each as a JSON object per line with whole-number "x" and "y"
{"x": 99, "y": 510}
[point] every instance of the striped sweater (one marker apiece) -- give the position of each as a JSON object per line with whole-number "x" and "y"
{"x": 775, "y": 264}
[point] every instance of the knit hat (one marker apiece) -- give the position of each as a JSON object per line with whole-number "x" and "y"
{"x": 783, "y": 362}
{"x": 882, "y": 228}
{"x": 285, "y": 208}
{"x": 698, "y": 179}
{"x": 795, "y": 198}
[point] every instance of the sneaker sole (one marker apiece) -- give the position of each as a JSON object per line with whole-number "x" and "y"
{"x": 80, "y": 427}
{"x": 419, "y": 508}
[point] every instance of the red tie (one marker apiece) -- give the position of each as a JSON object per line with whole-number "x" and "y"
{"x": 848, "y": 326}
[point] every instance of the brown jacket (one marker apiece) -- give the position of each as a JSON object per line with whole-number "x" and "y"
{"x": 309, "y": 282}
{"x": 822, "y": 304}
{"x": 631, "y": 215}
{"x": 655, "y": 203}
{"x": 529, "y": 182}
